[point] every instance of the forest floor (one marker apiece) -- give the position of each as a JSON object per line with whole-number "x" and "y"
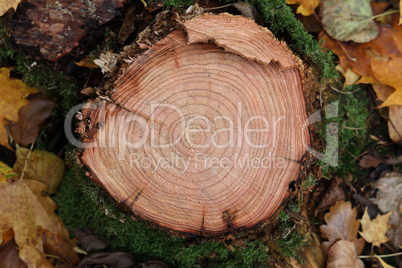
{"x": 346, "y": 209}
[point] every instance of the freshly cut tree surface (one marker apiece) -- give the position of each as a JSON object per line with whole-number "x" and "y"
{"x": 204, "y": 131}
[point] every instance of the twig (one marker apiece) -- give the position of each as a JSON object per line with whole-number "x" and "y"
{"x": 26, "y": 161}
{"x": 341, "y": 92}
{"x": 382, "y": 256}
{"x": 356, "y": 128}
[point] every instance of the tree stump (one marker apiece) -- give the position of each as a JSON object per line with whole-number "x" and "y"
{"x": 204, "y": 131}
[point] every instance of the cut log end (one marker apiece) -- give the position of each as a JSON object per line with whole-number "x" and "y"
{"x": 202, "y": 137}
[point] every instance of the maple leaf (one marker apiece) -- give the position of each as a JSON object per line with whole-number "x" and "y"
{"x": 5, "y": 5}
{"x": 341, "y": 225}
{"x": 41, "y": 166}
{"x": 374, "y": 230}
{"x": 13, "y": 96}
{"x": 306, "y": 7}
{"x": 343, "y": 254}
{"x": 37, "y": 229}
{"x": 389, "y": 199}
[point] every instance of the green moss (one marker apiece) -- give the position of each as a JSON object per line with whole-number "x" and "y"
{"x": 216, "y": 254}
{"x": 82, "y": 203}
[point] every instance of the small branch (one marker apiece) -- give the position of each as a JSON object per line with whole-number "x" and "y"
{"x": 382, "y": 256}
{"x": 341, "y": 92}
{"x": 356, "y": 128}
{"x": 26, "y": 161}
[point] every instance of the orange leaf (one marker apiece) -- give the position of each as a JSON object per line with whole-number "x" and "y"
{"x": 388, "y": 73}
{"x": 13, "y": 96}
{"x": 5, "y": 5}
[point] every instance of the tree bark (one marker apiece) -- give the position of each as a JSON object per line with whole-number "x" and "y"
{"x": 204, "y": 131}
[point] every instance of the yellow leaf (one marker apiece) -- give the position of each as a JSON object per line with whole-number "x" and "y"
{"x": 400, "y": 14}
{"x": 13, "y": 94}
{"x": 306, "y": 7}
{"x": 383, "y": 263}
{"x": 374, "y": 230}
{"x": 5, "y": 5}
{"x": 388, "y": 73}
{"x": 42, "y": 166}
{"x": 350, "y": 76}
{"x": 87, "y": 63}
{"x": 38, "y": 230}
{"x": 6, "y": 173}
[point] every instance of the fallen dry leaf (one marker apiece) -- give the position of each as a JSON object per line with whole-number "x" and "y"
{"x": 30, "y": 118}
{"x": 348, "y": 20}
{"x": 6, "y": 173}
{"x": 30, "y": 215}
{"x": 373, "y": 231}
{"x": 359, "y": 56}
{"x": 108, "y": 259}
{"x": 341, "y": 225}
{"x": 383, "y": 263}
{"x": 9, "y": 255}
{"x": 387, "y": 72}
{"x": 5, "y": 5}
{"x": 395, "y": 123}
{"x": 332, "y": 195}
{"x": 343, "y": 254}
{"x": 306, "y": 7}
{"x": 42, "y": 166}
{"x": 88, "y": 240}
{"x": 395, "y": 111}
{"x": 13, "y": 96}
{"x": 389, "y": 199}
{"x": 87, "y": 63}
{"x": 350, "y": 76}
{"x": 368, "y": 161}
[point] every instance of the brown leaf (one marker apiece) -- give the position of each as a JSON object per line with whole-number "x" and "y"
{"x": 389, "y": 198}
{"x": 14, "y": 93}
{"x": 374, "y": 230}
{"x": 30, "y": 118}
{"x": 369, "y": 161}
{"x": 332, "y": 195}
{"x": 341, "y": 225}
{"x": 348, "y": 20}
{"x": 395, "y": 123}
{"x": 9, "y": 255}
{"x": 37, "y": 228}
{"x": 88, "y": 240}
{"x": 109, "y": 259}
{"x": 249, "y": 11}
{"x": 343, "y": 254}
